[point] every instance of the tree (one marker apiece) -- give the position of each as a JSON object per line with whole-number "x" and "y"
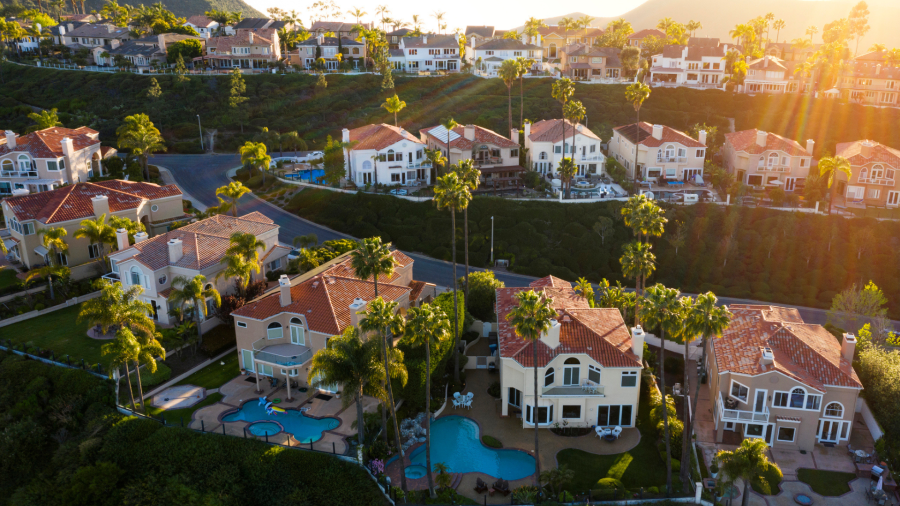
{"x": 509, "y": 72}
{"x": 436, "y": 158}
{"x": 830, "y": 167}
{"x": 124, "y": 349}
{"x": 631, "y": 60}
{"x": 236, "y": 89}
{"x": 306, "y": 241}
{"x": 394, "y": 105}
{"x": 746, "y": 462}
{"x": 98, "y": 232}
{"x": 678, "y": 236}
{"x": 471, "y": 177}
{"x": 449, "y": 124}
{"x": 692, "y": 26}
{"x": 533, "y": 28}
{"x": 562, "y": 91}
{"x": 241, "y": 259}
{"x": 387, "y": 77}
{"x": 530, "y": 319}
{"x": 574, "y": 112}
{"x": 453, "y": 194}
{"x": 855, "y": 306}
{"x": 180, "y": 72}
{"x": 859, "y": 22}
{"x": 567, "y": 171}
{"x": 523, "y": 65}
{"x": 138, "y": 134}
{"x": 638, "y": 262}
{"x": 604, "y": 227}
{"x": 194, "y": 291}
{"x": 52, "y": 240}
{"x": 481, "y": 290}
{"x": 637, "y": 93}
{"x": 427, "y": 326}
{"x": 186, "y": 49}
{"x": 254, "y": 154}
{"x": 566, "y": 24}
{"x": 583, "y": 287}
{"x": 778, "y": 25}
{"x": 44, "y": 119}
{"x": 234, "y": 191}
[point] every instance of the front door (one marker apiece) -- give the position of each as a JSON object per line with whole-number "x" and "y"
{"x": 789, "y": 184}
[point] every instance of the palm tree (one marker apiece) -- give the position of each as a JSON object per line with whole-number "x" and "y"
{"x": 241, "y": 259}
{"x": 427, "y": 326}
{"x": 148, "y": 348}
{"x": 830, "y": 167}
{"x": 704, "y": 318}
{"x": 138, "y": 134}
{"x": 583, "y": 287}
{"x": 778, "y": 25}
{"x": 439, "y": 17}
{"x": 449, "y": 124}
{"x": 562, "y": 91}
{"x": 453, "y": 194}
{"x": 664, "y": 310}
{"x": 746, "y": 462}
{"x": 98, "y": 232}
{"x": 637, "y": 93}
{"x": 533, "y": 27}
{"x": 531, "y": 319}
{"x": 638, "y": 262}
{"x": 567, "y": 171}
{"x": 812, "y": 30}
{"x": 509, "y": 72}
{"x": 306, "y": 241}
{"x": 293, "y": 140}
{"x": 357, "y": 13}
{"x": 354, "y": 364}
{"x": 436, "y": 158}
{"x": 254, "y": 154}
{"x": 523, "y": 65}
{"x": 692, "y": 26}
{"x": 574, "y": 112}
{"x": 52, "y": 239}
{"x": 585, "y": 21}
{"x": 664, "y": 24}
{"x": 471, "y": 177}
{"x": 566, "y": 24}
{"x": 45, "y": 119}
{"x": 234, "y": 190}
{"x": 394, "y": 105}
{"x": 124, "y": 349}
{"x": 194, "y": 291}
{"x": 381, "y": 319}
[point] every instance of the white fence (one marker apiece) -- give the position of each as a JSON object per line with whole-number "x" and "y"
{"x": 694, "y": 349}
{"x": 871, "y": 423}
{"x": 33, "y": 314}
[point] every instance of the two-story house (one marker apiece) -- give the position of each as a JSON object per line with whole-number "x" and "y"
{"x": 874, "y": 169}
{"x": 774, "y": 377}
{"x": 327, "y": 48}
{"x": 385, "y": 154}
{"x": 394, "y": 37}
{"x": 553, "y": 38}
{"x": 153, "y": 205}
{"x": 430, "y": 52}
{"x": 479, "y": 34}
{"x": 49, "y": 158}
{"x": 588, "y": 364}
{"x": 759, "y": 158}
{"x": 663, "y": 152}
{"x": 197, "y": 248}
{"x": 638, "y": 38}
{"x": 550, "y": 140}
{"x": 337, "y": 28}
{"x": 279, "y": 332}
{"x": 699, "y": 63}
{"x": 494, "y": 155}
{"x": 95, "y": 35}
{"x": 246, "y": 49}
{"x": 869, "y": 80}
{"x": 771, "y": 74}
{"x": 582, "y": 62}
{"x": 143, "y": 52}
{"x": 203, "y": 25}
{"x": 493, "y": 53}
{"x": 788, "y": 51}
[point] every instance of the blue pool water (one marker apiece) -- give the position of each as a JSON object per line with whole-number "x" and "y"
{"x": 415, "y": 472}
{"x": 305, "y": 429}
{"x": 304, "y": 175}
{"x": 456, "y": 442}
{"x": 264, "y": 428}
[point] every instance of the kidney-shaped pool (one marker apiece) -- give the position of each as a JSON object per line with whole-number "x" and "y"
{"x": 305, "y": 429}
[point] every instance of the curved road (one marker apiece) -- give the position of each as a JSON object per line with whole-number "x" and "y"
{"x": 198, "y": 176}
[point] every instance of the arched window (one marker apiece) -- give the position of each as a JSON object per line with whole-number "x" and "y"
{"x": 571, "y": 371}
{"x": 367, "y": 165}
{"x": 670, "y": 151}
{"x": 548, "y": 377}
{"x": 274, "y": 331}
{"x": 136, "y": 276}
{"x": 355, "y": 50}
{"x": 773, "y": 159}
{"x": 390, "y": 155}
{"x": 7, "y": 166}
{"x": 572, "y": 360}
{"x": 863, "y": 174}
{"x": 24, "y": 163}
{"x": 552, "y": 50}
{"x": 834, "y": 409}
{"x": 543, "y": 155}
{"x": 877, "y": 172}
{"x": 208, "y": 286}
{"x": 298, "y": 333}
{"x": 797, "y": 397}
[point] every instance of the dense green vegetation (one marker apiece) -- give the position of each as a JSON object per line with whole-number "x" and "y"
{"x": 755, "y": 253}
{"x": 63, "y": 442}
{"x": 827, "y": 483}
{"x": 182, "y": 8}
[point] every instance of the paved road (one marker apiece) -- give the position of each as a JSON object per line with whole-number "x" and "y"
{"x": 200, "y": 175}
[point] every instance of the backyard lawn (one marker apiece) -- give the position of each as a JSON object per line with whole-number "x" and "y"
{"x": 215, "y": 375}
{"x": 58, "y": 331}
{"x": 827, "y": 483}
{"x": 7, "y": 277}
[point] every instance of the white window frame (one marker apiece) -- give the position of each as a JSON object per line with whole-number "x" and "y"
{"x": 251, "y": 366}
{"x": 594, "y": 369}
{"x": 242, "y": 325}
{"x": 512, "y": 395}
{"x": 731, "y": 389}
{"x": 562, "y": 410}
{"x": 270, "y": 331}
{"x": 629, "y": 374}
{"x": 778, "y": 434}
{"x": 298, "y": 333}
{"x": 549, "y": 377}
{"x": 825, "y": 411}
{"x": 530, "y": 409}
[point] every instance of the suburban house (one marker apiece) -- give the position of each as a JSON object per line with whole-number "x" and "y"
{"x": 153, "y": 205}
{"x": 395, "y": 36}
{"x": 246, "y": 49}
{"x": 869, "y": 80}
{"x": 338, "y": 28}
{"x": 430, "y": 52}
{"x": 494, "y": 155}
{"x": 550, "y": 140}
{"x": 588, "y": 364}
{"x": 320, "y": 46}
{"x": 385, "y": 154}
{"x": 477, "y": 35}
{"x": 774, "y": 377}
{"x": 197, "y": 248}
{"x": 552, "y": 39}
{"x": 698, "y": 63}
{"x": 874, "y": 168}
{"x": 638, "y": 38}
{"x": 663, "y": 153}
{"x": 142, "y": 52}
{"x": 759, "y": 158}
{"x": 582, "y": 62}
{"x": 788, "y": 51}
{"x": 280, "y": 331}
{"x": 47, "y": 159}
{"x": 256, "y": 24}
{"x": 493, "y": 53}
{"x": 91, "y": 35}
{"x": 203, "y": 25}
{"x": 771, "y": 74}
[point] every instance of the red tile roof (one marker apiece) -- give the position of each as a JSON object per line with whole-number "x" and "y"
{"x": 200, "y": 21}
{"x": 745, "y": 141}
{"x": 261, "y": 37}
{"x": 640, "y": 34}
{"x": 880, "y": 153}
{"x": 482, "y": 136}
{"x": 73, "y": 202}
{"x": 47, "y": 143}
{"x": 379, "y": 137}
{"x": 551, "y": 130}
{"x": 646, "y": 135}
{"x": 600, "y": 332}
{"x": 805, "y": 352}
{"x": 345, "y": 269}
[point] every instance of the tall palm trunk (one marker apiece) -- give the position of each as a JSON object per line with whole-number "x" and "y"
{"x": 637, "y": 300}
{"x": 637, "y": 125}
{"x": 130, "y": 390}
{"x": 455, "y": 300}
{"x": 509, "y": 105}
{"x": 689, "y": 425}
{"x": 390, "y": 392}
{"x": 137, "y": 370}
{"x": 360, "y": 418}
{"x": 833, "y": 192}
{"x": 665, "y": 410}
{"x": 384, "y": 383}
{"x": 466, "y": 248}
{"x": 428, "y": 417}
{"x": 199, "y": 323}
{"x": 534, "y": 417}
{"x": 521, "y": 105}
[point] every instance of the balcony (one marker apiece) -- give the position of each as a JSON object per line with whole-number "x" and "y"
{"x": 671, "y": 159}
{"x": 877, "y": 181}
{"x": 590, "y": 158}
{"x": 591, "y": 389}
{"x": 740, "y": 415}
{"x": 20, "y": 174}
{"x": 112, "y": 277}
{"x": 422, "y": 164}
{"x": 773, "y": 168}
{"x": 493, "y": 160}
{"x": 281, "y": 353}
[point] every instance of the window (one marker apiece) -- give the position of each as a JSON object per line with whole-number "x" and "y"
{"x": 62, "y": 259}
{"x": 544, "y": 414}
{"x": 614, "y": 415}
{"x": 28, "y": 229}
{"x": 274, "y": 331}
{"x": 429, "y": 63}
{"x": 798, "y": 396}
{"x": 395, "y": 178}
{"x": 813, "y": 402}
{"x": 247, "y": 359}
{"x": 162, "y": 279}
{"x": 557, "y": 149}
{"x": 543, "y": 155}
{"x": 413, "y": 52}
{"x": 489, "y": 53}
{"x": 154, "y": 208}
{"x": 593, "y": 148}
{"x": 780, "y": 400}
{"x": 629, "y": 378}
{"x": 242, "y": 325}
{"x": 596, "y": 59}
{"x": 700, "y": 153}
{"x": 786, "y": 434}
{"x": 135, "y": 276}
{"x": 834, "y": 410}
{"x": 52, "y": 165}
{"x": 571, "y": 411}
{"x": 594, "y": 374}
{"x": 571, "y": 372}
{"x": 274, "y": 265}
{"x": 514, "y": 153}
{"x": 297, "y": 332}
{"x": 804, "y": 162}
{"x": 753, "y": 430}
{"x": 94, "y": 251}
{"x": 515, "y": 397}
{"x": 739, "y": 392}
{"x": 548, "y": 377}
{"x": 873, "y": 193}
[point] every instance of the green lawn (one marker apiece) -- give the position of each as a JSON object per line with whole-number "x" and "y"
{"x": 174, "y": 416}
{"x": 7, "y": 277}
{"x": 58, "y": 331}
{"x": 215, "y": 375}
{"x": 827, "y": 483}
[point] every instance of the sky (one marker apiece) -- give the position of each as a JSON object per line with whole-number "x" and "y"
{"x": 460, "y": 13}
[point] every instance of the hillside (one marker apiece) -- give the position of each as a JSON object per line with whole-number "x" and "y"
{"x": 181, "y": 8}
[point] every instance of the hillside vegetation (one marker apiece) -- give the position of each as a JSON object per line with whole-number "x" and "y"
{"x": 181, "y": 8}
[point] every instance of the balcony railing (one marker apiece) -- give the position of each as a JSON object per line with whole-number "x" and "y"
{"x": 494, "y": 160}
{"x": 774, "y": 168}
{"x": 671, "y": 159}
{"x": 590, "y": 390}
{"x": 113, "y": 277}
{"x": 877, "y": 181}
{"x": 590, "y": 158}
{"x": 281, "y": 352}
{"x": 19, "y": 173}
{"x": 740, "y": 415}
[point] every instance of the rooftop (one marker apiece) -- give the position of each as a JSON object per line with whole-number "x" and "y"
{"x": 47, "y": 143}
{"x": 379, "y": 136}
{"x": 554, "y": 130}
{"x": 745, "y": 141}
{"x": 507, "y": 44}
{"x": 91, "y": 30}
{"x": 853, "y": 151}
{"x": 200, "y": 21}
{"x": 459, "y": 141}
{"x": 645, "y": 132}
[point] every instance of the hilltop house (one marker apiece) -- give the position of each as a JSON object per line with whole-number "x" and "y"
{"x": 385, "y": 154}
{"x": 588, "y": 363}
{"x": 494, "y": 155}
{"x": 699, "y": 63}
{"x": 663, "y": 152}
{"x": 477, "y": 35}
{"x": 550, "y": 140}
{"x": 395, "y": 36}
{"x": 874, "y": 168}
{"x": 582, "y": 62}
{"x": 759, "y": 158}
{"x": 553, "y": 38}
{"x": 142, "y": 53}
{"x": 771, "y": 74}
{"x": 95, "y": 35}
{"x": 869, "y": 80}
{"x": 639, "y": 37}
{"x": 320, "y": 46}
{"x": 428, "y": 52}
{"x": 203, "y": 25}
{"x": 493, "y": 53}
{"x": 774, "y": 377}
{"x": 246, "y": 49}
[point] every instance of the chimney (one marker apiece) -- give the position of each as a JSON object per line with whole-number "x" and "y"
{"x": 761, "y": 138}
{"x": 320, "y": 39}
{"x": 866, "y": 148}
{"x": 425, "y": 39}
{"x": 657, "y": 132}
{"x": 140, "y": 236}
{"x": 637, "y": 341}
{"x": 62, "y": 30}
{"x": 877, "y": 69}
{"x": 848, "y": 347}
{"x": 357, "y": 306}
{"x": 702, "y": 137}
{"x": 68, "y": 148}
{"x": 110, "y": 28}
{"x": 345, "y": 135}
{"x": 176, "y": 250}
{"x": 551, "y": 337}
{"x": 11, "y": 139}
{"x": 527, "y": 129}
{"x": 765, "y": 62}
{"x": 70, "y": 27}
{"x": 810, "y": 144}
{"x": 284, "y": 287}
{"x": 101, "y": 205}
{"x": 114, "y": 43}
{"x": 766, "y": 356}
{"x": 250, "y": 37}
{"x": 514, "y": 135}
{"x": 161, "y": 41}
{"x": 469, "y": 132}
{"x": 122, "y": 239}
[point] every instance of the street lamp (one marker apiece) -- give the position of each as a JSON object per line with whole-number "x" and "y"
{"x": 492, "y": 241}
{"x": 201, "y": 133}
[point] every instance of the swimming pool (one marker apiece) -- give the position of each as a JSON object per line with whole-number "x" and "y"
{"x": 456, "y": 442}
{"x": 304, "y": 175}
{"x": 264, "y": 428}
{"x": 305, "y": 429}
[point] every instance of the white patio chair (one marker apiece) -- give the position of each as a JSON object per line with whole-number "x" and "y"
{"x": 456, "y": 395}
{"x": 598, "y": 431}
{"x": 456, "y": 403}
{"x": 468, "y": 403}
{"x": 470, "y": 396}
{"x": 617, "y": 431}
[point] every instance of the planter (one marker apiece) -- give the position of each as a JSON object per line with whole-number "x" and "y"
{"x": 713, "y": 474}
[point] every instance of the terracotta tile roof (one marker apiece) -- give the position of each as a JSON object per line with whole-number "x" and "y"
{"x": 73, "y": 202}
{"x": 431, "y": 40}
{"x": 345, "y": 269}
{"x": 200, "y": 21}
{"x": 417, "y": 288}
{"x": 482, "y": 136}
{"x": 745, "y": 141}
{"x": 224, "y": 43}
{"x": 481, "y": 31}
{"x": 47, "y": 143}
{"x": 880, "y": 153}
{"x": 379, "y": 137}
{"x": 646, "y": 135}
{"x": 805, "y": 352}
{"x": 551, "y": 130}
{"x": 508, "y": 44}
{"x": 646, "y": 32}
{"x": 107, "y": 151}
{"x": 600, "y": 333}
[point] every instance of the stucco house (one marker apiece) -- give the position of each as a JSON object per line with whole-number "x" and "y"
{"x": 203, "y": 25}
{"x": 553, "y": 38}
{"x": 385, "y": 154}
{"x": 493, "y": 53}
{"x": 699, "y": 63}
{"x": 95, "y": 35}
{"x": 771, "y": 74}
{"x": 246, "y": 49}
{"x": 327, "y": 48}
{"x": 550, "y": 140}
{"x": 868, "y": 80}
{"x": 589, "y": 363}
{"x": 663, "y": 152}
{"x": 430, "y": 52}
{"x": 759, "y": 158}
{"x": 638, "y": 38}
{"x": 582, "y": 62}
{"x": 874, "y": 168}
{"x": 494, "y": 155}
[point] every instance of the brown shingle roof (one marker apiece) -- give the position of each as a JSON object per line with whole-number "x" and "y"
{"x": 508, "y": 44}
{"x": 646, "y": 32}
{"x": 551, "y": 130}
{"x": 482, "y": 136}
{"x": 379, "y": 136}
{"x": 47, "y": 143}
{"x": 630, "y": 132}
{"x": 224, "y": 43}
{"x": 745, "y": 141}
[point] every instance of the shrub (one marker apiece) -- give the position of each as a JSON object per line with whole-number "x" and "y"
{"x": 652, "y": 490}
{"x": 482, "y": 292}
{"x": 491, "y": 442}
{"x": 218, "y": 339}
{"x": 39, "y": 307}
{"x": 767, "y": 483}
{"x": 609, "y": 484}
{"x": 494, "y": 389}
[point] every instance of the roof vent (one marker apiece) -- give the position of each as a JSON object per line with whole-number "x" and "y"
{"x": 566, "y": 318}
{"x": 315, "y": 284}
{"x": 767, "y": 357}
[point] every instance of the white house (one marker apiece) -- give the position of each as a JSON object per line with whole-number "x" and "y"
{"x": 494, "y": 52}
{"x": 588, "y": 363}
{"x": 429, "y": 52}
{"x": 699, "y": 63}
{"x": 550, "y": 140}
{"x": 663, "y": 152}
{"x": 204, "y": 26}
{"x": 385, "y": 154}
